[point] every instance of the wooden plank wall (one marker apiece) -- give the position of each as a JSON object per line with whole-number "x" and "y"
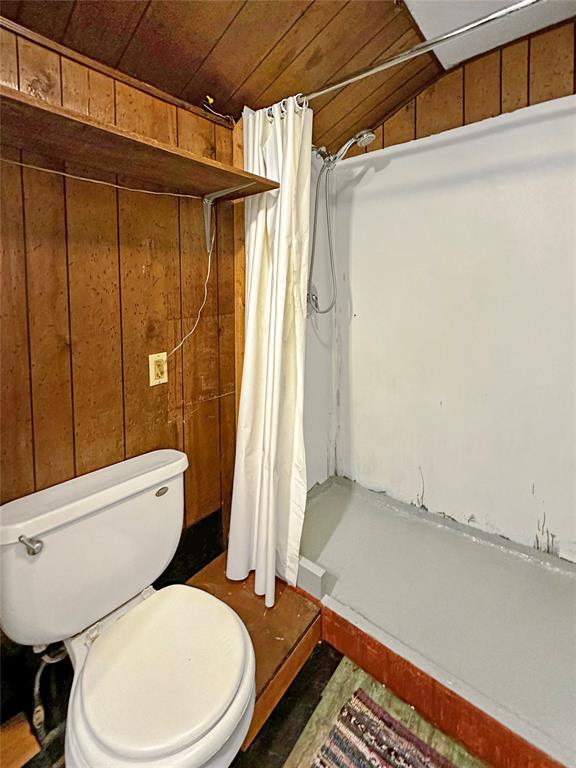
{"x": 535, "y": 69}
{"x": 94, "y": 280}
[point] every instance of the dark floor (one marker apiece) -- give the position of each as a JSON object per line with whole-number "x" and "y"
{"x": 284, "y": 726}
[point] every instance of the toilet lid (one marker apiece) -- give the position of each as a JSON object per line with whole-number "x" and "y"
{"x": 164, "y": 673}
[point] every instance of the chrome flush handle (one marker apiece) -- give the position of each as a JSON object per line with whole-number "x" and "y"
{"x": 33, "y": 546}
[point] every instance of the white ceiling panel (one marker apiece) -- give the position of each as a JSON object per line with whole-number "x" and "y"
{"x": 435, "y": 17}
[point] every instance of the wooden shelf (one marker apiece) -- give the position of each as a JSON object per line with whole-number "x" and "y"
{"x": 39, "y": 127}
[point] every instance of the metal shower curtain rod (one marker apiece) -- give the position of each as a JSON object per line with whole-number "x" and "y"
{"x": 421, "y": 48}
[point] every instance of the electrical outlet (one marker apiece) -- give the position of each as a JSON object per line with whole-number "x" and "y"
{"x": 158, "y": 368}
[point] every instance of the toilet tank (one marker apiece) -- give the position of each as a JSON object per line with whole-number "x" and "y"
{"x": 104, "y": 537}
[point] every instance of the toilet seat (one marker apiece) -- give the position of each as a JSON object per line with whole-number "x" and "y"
{"x": 171, "y": 678}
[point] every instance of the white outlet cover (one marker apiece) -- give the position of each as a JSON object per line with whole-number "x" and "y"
{"x": 158, "y": 368}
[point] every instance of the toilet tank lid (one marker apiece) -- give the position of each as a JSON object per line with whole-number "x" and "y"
{"x": 47, "y": 509}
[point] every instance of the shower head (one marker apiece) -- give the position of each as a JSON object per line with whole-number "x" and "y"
{"x": 362, "y": 138}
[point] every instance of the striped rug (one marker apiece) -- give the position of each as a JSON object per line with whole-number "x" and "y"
{"x": 365, "y": 736}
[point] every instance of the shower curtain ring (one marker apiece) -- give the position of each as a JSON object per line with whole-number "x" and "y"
{"x": 301, "y": 101}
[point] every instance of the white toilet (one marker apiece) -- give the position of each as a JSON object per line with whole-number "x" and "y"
{"x": 161, "y": 678}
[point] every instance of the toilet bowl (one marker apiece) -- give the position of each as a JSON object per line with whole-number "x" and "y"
{"x": 168, "y": 683}
{"x": 162, "y": 678}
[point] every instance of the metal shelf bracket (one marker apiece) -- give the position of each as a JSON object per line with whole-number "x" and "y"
{"x": 208, "y": 202}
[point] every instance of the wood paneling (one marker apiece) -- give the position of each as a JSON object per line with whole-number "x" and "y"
{"x": 440, "y": 107}
{"x": 552, "y": 64}
{"x": 482, "y": 88}
{"x": 195, "y": 263}
{"x": 8, "y": 59}
{"x": 43, "y": 63}
{"x": 202, "y": 441}
{"x": 86, "y": 32}
{"x": 17, "y": 465}
{"x": 225, "y": 236}
{"x": 39, "y": 72}
{"x": 61, "y": 50}
{"x": 149, "y": 264}
{"x": 400, "y": 127}
{"x": 239, "y": 269}
{"x": 48, "y": 18}
{"x": 201, "y": 358}
{"x": 10, "y": 8}
{"x": 49, "y": 324}
{"x": 224, "y": 153}
{"x": 515, "y": 76}
{"x": 330, "y": 109}
{"x": 226, "y": 327}
{"x": 95, "y": 279}
{"x": 201, "y": 366}
{"x": 141, "y": 113}
{"x": 379, "y": 140}
{"x": 239, "y": 294}
{"x": 217, "y": 74}
{"x": 326, "y": 57}
{"x": 227, "y": 353}
{"x": 403, "y": 83}
{"x": 196, "y": 134}
{"x": 227, "y": 233}
{"x": 239, "y": 51}
{"x": 92, "y": 226}
{"x": 532, "y": 70}
{"x": 316, "y": 17}
{"x": 173, "y": 39}
{"x": 201, "y": 393}
{"x": 227, "y": 456}
{"x": 87, "y": 92}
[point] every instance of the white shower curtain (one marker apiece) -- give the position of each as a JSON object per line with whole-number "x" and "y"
{"x": 270, "y": 472}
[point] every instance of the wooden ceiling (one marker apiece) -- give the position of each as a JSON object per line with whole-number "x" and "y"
{"x": 252, "y": 52}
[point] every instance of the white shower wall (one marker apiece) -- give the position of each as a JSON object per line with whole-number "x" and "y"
{"x": 455, "y": 335}
{"x": 319, "y": 401}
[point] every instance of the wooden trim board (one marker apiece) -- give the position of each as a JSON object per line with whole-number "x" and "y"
{"x": 279, "y": 684}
